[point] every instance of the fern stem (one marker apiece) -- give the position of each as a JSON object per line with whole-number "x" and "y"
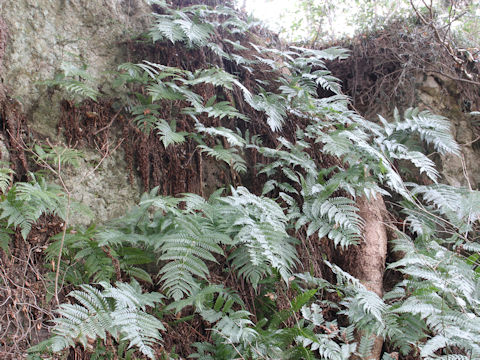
{"x": 233, "y": 345}
{"x": 62, "y": 242}
{"x": 115, "y": 262}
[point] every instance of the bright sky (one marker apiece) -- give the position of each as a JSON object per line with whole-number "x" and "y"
{"x": 271, "y": 11}
{"x": 341, "y": 20}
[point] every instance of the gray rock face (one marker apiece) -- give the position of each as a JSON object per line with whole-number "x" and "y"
{"x": 106, "y": 191}
{"x": 43, "y": 34}
{"x": 441, "y": 95}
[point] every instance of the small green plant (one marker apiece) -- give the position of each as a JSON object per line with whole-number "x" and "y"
{"x": 76, "y": 81}
{"x": 25, "y": 202}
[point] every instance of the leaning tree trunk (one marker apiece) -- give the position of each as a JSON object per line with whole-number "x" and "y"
{"x": 366, "y": 261}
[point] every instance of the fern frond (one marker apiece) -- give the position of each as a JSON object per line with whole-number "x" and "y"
{"x": 214, "y": 109}
{"x": 79, "y": 88}
{"x": 336, "y": 218}
{"x": 166, "y": 28}
{"x": 214, "y": 76}
{"x": 458, "y": 203}
{"x": 232, "y": 138}
{"x": 274, "y": 107}
{"x": 76, "y": 81}
{"x": 118, "y": 311}
{"x": 365, "y": 346}
{"x": 331, "y": 53}
{"x": 165, "y": 91}
{"x": 26, "y": 202}
{"x": 179, "y": 26}
{"x": 227, "y": 155}
{"x": 186, "y": 251}
{"x": 5, "y": 178}
{"x": 262, "y": 238}
{"x": 139, "y": 329}
{"x": 168, "y": 134}
{"x": 58, "y": 155}
{"x": 433, "y": 129}
{"x": 235, "y": 327}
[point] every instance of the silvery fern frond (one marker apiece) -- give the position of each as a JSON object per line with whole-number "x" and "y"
{"x": 118, "y": 311}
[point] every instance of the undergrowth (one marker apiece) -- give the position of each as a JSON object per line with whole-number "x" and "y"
{"x": 184, "y": 259}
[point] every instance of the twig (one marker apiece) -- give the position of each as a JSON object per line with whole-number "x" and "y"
{"x": 438, "y": 37}
{"x": 470, "y": 142}
{"x": 450, "y": 76}
{"x": 62, "y": 243}
{"x": 465, "y": 172}
{"x": 109, "y": 124}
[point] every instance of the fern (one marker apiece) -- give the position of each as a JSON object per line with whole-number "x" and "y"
{"x": 436, "y": 300}
{"x": 146, "y": 115}
{"x": 262, "y": 235}
{"x": 457, "y": 204}
{"x": 179, "y": 26}
{"x": 433, "y": 129}
{"x": 232, "y": 138}
{"x": 186, "y": 252}
{"x": 187, "y": 239}
{"x": 274, "y": 107}
{"x": 171, "y": 84}
{"x": 55, "y": 155}
{"x": 76, "y": 81}
{"x": 444, "y": 297}
{"x": 214, "y": 76}
{"x": 5, "y": 179}
{"x": 118, "y": 311}
{"x": 228, "y": 155}
{"x": 26, "y": 202}
{"x": 168, "y": 134}
{"x": 87, "y": 256}
{"x": 336, "y": 218}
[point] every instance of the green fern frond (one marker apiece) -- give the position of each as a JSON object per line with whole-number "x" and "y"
{"x": 164, "y": 91}
{"x": 263, "y": 242}
{"x": 433, "y": 129}
{"x": 168, "y": 134}
{"x": 214, "y": 109}
{"x": 227, "y": 155}
{"x": 456, "y": 203}
{"x": 331, "y": 53}
{"x": 185, "y": 252}
{"x": 76, "y": 81}
{"x": 5, "y": 178}
{"x": 236, "y": 327}
{"x": 365, "y": 346}
{"x": 178, "y": 26}
{"x": 292, "y": 156}
{"x": 274, "y": 107}
{"x": 26, "y": 202}
{"x": 115, "y": 310}
{"x": 214, "y": 76}
{"x": 232, "y": 138}
{"x": 58, "y": 155}
{"x": 336, "y": 218}
{"x": 79, "y": 88}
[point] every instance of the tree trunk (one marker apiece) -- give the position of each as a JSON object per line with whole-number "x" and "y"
{"x": 366, "y": 261}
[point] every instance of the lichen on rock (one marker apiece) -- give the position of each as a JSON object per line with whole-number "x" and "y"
{"x": 42, "y": 34}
